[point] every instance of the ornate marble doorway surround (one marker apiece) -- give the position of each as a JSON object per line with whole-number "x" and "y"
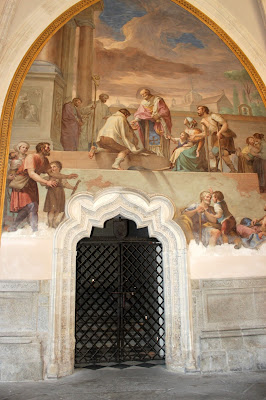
{"x": 153, "y": 211}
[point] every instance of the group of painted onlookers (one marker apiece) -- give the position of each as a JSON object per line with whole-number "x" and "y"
{"x": 201, "y": 221}
{"x": 152, "y": 122}
{"x": 252, "y": 158}
{"x": 214, "y": 224}
{"x": 22, "y": 195}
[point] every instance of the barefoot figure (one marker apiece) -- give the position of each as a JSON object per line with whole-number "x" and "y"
{"x": 55, "y": 197}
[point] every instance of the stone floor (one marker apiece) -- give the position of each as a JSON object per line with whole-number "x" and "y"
{"x": 136, "y": 383}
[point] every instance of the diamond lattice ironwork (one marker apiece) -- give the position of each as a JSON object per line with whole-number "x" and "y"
{"x": 119, "y": 301}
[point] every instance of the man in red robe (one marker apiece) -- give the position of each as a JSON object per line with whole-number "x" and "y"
{"x": 71, "y": 125}
{"x": 154, "y": 123}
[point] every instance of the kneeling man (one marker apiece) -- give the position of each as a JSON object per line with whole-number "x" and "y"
{"x": 118, "y": 136}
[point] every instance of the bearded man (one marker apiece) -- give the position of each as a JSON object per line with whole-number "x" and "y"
{"x": 95, "y": 116}
{"x": 25, "y": 200}
{"x": 153, "y": 120}
{"x": 216, "y": 126}
{"x": 71, "y": 125}
{"x": 197, "y": 224}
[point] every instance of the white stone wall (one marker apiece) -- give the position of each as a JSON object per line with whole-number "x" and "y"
{"x": 24, "y": 314}
{"x": 229, "y": 322}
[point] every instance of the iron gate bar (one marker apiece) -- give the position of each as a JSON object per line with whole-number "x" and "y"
{"x": 110, "y": 328}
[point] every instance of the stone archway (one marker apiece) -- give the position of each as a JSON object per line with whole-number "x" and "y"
{"x": 155, "y": 212}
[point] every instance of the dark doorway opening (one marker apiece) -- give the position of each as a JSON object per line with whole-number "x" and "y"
{"x": 119, "y": 296}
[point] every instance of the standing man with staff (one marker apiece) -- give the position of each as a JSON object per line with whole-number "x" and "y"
{"x": 95, "y": 116}
{"x": 222, "y": 138}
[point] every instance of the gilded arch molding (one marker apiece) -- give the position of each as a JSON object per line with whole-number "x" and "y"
{"x": 20, "y": 74}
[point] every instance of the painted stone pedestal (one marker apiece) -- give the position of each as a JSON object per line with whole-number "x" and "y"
{"x": 38, "y": 110}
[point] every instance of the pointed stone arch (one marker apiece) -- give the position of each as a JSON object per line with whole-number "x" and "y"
{"x": 155, "y": 212}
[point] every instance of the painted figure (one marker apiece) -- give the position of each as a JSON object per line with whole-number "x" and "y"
{"x": 154, "y": 123}
{"x": 259, "y": 164}
{"x": 23, "y": 106}
{"x": 95, "y": 117}
{"x": 224, "y": 217}
{"x": 191, "y": 157}
{"x": 182, "y": 143}
{"x": 196, "y": 223}
{"x": 25, "y": 198}
{"x": 118, "y": 136}
{"x": 222, "y": 138}
{"x": 18, "y": 157}
{"x": 247, "y": 154}
{"x": 55, "y": 198}
{"x": 252, "y": 231}
{"x": 71, "y": 125}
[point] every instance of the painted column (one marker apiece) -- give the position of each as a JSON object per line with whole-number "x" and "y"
{"x": 68, "y": 57}
{"x": 85, "y": 56}
{"x": 52, "y": 51}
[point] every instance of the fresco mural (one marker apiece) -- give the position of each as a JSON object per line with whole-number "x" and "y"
{"x": 149, "y": 89}
{"x": 209, "y": 221}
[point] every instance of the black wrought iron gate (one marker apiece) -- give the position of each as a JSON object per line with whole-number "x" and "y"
{"x": 119, "y": 301}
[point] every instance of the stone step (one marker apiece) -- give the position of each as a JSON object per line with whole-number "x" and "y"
{"x": 104, "y": 160}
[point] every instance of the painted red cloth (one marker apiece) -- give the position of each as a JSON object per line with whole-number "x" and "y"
{"x": 145, "y": 112}
{"x": 245, "y": 231}
{"x": 70, "y": 130}
{"x": 228, "y": 225}
{"x": 29, "y": 194}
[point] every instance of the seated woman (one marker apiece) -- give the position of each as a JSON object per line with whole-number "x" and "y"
{"x": 182, "y": 143}
{"x": 193, "y": 158}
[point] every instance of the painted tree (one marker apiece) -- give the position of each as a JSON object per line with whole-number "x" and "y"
{"x": 244, "y": 97}
{"x": 236, "y": 101}
{"x": 257, "y": 105}
{"x": 244, "y": 79}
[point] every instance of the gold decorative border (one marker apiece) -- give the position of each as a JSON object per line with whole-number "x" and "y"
{"x": 24, "y": 66}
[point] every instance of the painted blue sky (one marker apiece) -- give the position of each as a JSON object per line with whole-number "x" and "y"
{"x": 158, "y": 44}
{"x": 117, "y": 13}
{"x": 186, "y": 38}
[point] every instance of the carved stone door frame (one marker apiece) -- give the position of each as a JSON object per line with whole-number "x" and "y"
{"x": 155, "y": 212}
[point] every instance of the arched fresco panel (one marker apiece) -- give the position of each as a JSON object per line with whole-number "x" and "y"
{"x": 139, "y": 94}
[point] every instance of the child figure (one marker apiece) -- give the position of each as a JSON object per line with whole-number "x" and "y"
{"x": 225, "y": 218}
{"x": 12, "y": 164}
{"x": 182, "y": 143}
{"x": 252, "y": 148}
{"x": 197, "y": 137}
{"x": 260, "y": 145}
{"x": 55, "y": 198}
{"x": 17, "y": 156}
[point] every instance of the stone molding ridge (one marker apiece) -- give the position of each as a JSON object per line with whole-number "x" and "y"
{"x": 238, "y": 332}
{"x": 235, "y": 283}
{"x": 16, "y": 339}
{"x": 19, "y": 286}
